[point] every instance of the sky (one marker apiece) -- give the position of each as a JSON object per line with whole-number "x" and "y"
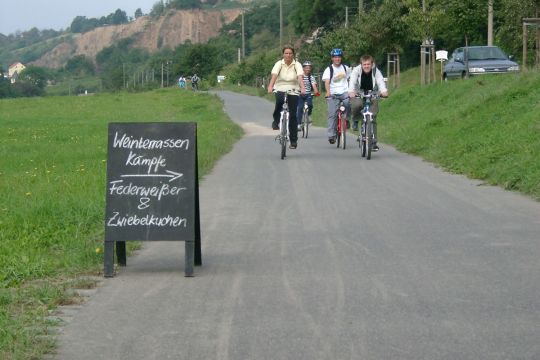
{"x": 58, "y": 14}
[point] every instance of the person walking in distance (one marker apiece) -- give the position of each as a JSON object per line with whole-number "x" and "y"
{"x": 364, "y": 78}
{"x": 287, "y": 75}
{"x": 335, "y": 79}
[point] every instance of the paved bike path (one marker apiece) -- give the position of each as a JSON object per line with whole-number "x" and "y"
{"x": 325, "y": 255}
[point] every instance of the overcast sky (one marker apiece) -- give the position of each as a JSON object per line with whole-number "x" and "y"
{"x": 58, "y": 14}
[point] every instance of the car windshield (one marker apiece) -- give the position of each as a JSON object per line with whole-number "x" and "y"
{"x": 486, "y": 53}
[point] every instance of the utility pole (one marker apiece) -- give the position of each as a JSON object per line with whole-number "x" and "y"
{"x": 168, "y": 73}
{"x": 243, "y": 37}
{"x": 490, "y": 23}
{"x": 346, "y": 16}
{"x": 360, "y": 7}
{"x": 280, "y": 24}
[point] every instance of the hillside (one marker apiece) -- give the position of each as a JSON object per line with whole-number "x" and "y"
{"x": 170, "y": 30}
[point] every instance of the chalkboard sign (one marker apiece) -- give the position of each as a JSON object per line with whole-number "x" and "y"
{"x": 152, "y": 187}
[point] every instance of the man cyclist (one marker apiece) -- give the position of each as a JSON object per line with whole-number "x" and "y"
{"x": 195, "y": 82}
{"x": 335, "y": 79}
{"x": 310, "y": 84}
{"x": 366, "y": 77}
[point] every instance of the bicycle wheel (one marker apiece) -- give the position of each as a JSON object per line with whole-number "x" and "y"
{"x": 369, "y": 139}
{"x": 305, "y": 127}
{"x": 283, "y": 135}
{"x": 344, "y": 132}
{"x": 362, "y": 139}
{"x": 338, "y": 131}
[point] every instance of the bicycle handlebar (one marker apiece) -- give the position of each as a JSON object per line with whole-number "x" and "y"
{"x": 334, "y": 96}
{"x": 370, "y": 95}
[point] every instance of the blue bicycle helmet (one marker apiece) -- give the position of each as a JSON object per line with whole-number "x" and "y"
{"x": 336, "y": 52}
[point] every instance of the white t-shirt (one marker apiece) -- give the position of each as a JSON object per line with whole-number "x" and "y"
{"x": 339, "y": 83}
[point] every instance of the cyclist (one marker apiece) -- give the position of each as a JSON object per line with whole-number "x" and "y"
{"x": 287, "y": 75}
{"x": 366, "y": 77}
{"x": 335, "y": 79}
{"x": 195, "y": 82}
{"x": 182, "y": 82}
{"x": 310, "y": 84}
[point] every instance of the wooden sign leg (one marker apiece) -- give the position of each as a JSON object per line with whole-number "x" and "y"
{"x": 108, "y": 255}
{"x": 190, "y": 257}
{"x": 198, "y": 255}
{"x": 121, "y": 253}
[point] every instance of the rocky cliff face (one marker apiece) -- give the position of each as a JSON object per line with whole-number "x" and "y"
{"x": 170, "y": 30}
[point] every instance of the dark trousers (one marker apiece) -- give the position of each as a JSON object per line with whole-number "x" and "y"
{"x": 301, "y": 100}
{"x": 292, "y": 101}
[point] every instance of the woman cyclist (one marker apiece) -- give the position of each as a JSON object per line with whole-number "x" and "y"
{"x": 287, "y": 74}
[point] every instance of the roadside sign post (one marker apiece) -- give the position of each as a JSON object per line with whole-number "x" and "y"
{"x": 442, "y": 56}
{"x": 152, "y": 189}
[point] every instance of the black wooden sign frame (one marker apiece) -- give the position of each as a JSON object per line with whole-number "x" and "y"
{"x": 152, "y": 189}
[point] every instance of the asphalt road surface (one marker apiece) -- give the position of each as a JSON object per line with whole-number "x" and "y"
{"x": 325, "y": 255}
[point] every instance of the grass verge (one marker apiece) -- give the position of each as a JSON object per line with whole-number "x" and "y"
{"x": 53, "y": 179}
{"x": 487, "y": 128}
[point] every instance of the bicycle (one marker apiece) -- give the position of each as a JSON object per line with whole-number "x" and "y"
{"x": 341, "y": 126}
{"x": 306, "y": 118}
{"x": 283, "y": 136}
{"x": 366, "y": 137}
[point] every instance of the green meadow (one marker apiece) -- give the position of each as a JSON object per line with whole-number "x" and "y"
{"x": 52, "y": 186}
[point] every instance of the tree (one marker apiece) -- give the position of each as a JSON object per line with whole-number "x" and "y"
{"x": 203, "y": 59}
{"x": 461, "y": 19}
{"x": 5, "y": 88}
{"x": 157, "y": 9}
{"x": 34, "y": 75}
{"x": 257, "y": 66}
{"x": 138, "y": 13}
{"x": 79, "y": 65}
{"x": 81, "y": 24}
{"x": 308, "y": 15}
{"x": 184, "y": 4}
{"x": 508, "y": 26}
{"x": 118, "y": 17}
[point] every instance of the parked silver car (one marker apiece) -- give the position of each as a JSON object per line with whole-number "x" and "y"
{"x": 480, "y": 60}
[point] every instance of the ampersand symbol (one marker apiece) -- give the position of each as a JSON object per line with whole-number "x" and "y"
{"x": 143, "y": 203}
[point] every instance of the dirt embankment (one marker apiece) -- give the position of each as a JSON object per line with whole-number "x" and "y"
{"x": 170, "y": 30}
